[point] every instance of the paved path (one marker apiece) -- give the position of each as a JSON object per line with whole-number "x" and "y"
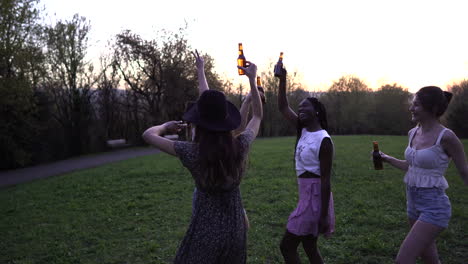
{"x": 12, "y": 177}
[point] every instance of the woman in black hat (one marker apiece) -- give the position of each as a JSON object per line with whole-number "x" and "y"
{"x": 216, "y": 159}
{"x": 244, "y": 112}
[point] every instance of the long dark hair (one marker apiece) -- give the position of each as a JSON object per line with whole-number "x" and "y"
{"x": 322, "y": 118}
{"x": 220, "y": 159}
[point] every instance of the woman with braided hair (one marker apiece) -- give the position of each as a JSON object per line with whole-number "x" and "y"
{"x": 313, "y": 158}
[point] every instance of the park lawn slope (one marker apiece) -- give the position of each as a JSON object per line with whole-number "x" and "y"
{"x": 137, "y": 211}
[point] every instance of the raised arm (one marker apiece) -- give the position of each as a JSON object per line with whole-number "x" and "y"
{"x": 454, "y": 148}
{"x": 244, "y": 111}
{"x": 257, "y": 112}
{"x": 202, "y": 83}
{"x": 154, "y": 136}
{"x": 283, "y": 104}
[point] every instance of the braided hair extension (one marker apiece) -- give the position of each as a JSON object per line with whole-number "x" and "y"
{"x": 321, "y": 112}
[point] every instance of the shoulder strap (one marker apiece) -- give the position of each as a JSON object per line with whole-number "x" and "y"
{"x": 440, "y": 135}
{"x": 413, "y": 132}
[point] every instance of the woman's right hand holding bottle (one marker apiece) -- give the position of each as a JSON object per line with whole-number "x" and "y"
{"x": 384, "y": 156}
{"x": 250, "y": 71}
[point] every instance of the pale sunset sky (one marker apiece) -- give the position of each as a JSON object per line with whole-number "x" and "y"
{"x": 410, "y": 42}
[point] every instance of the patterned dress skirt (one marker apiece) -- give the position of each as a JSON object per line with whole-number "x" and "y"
{"x": 217, "y": 231}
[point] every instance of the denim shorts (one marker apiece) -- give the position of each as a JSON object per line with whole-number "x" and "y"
{"x": 430, "y": 205}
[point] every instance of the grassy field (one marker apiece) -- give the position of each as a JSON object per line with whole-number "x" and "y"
{"x": 137, "y": 211}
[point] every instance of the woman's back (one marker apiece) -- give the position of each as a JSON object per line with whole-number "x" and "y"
{"x": 217, "y": 232}
{"x": 189, "y": 154}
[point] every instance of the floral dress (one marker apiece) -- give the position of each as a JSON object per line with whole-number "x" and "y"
{"x": 217, "y": 231}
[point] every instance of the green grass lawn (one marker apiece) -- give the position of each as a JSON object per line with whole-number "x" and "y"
{"x": 137, "y": 211}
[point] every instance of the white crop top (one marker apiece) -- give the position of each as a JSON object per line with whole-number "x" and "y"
{"x": 307, "y": 151}
{"x": 426, "y": 167}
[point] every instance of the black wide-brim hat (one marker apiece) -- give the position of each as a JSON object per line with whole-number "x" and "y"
{"x": 213, "y": 112}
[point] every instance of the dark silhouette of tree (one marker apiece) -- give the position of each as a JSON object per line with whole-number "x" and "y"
{"x": 109, "y": 102}
{"x": 457, "y": 112}
{"x": 348, "y": 105}
{"x": 54, "y": 105}
{"x": 69, "y": 81}
{"x": 20, "y": 60}
{"x": 160, "y": 75}
{"x": 391, "y": 114}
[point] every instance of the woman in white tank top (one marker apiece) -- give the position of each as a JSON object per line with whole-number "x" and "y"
{"x": 314, "y": 213}
{"x": 430, "y": 148}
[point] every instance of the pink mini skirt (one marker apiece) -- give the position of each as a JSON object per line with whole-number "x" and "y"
{"x": 304, "y": 219}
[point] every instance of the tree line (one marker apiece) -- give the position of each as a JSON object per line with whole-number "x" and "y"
{"x": 56, "y": 104}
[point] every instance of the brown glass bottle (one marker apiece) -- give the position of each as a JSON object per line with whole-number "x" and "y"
{"x": 378, "y": 165}
{"x": 260, "y": 89}
{"x": 241, "y": 60}
{"x": 279, "y": 66}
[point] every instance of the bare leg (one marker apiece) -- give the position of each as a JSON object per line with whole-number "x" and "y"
{"x": 430, "y": 254}
{"x": 420, "y": 241}
{"x": 309, "y": 243}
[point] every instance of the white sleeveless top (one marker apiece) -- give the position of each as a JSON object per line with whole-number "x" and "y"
{"x": 307, "y": 151}
{"x": 426, "y": 166}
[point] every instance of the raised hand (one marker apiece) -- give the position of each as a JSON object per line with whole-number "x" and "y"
{"x": 283, "y": 74}
{"x": 173, "y": 127}
{"x": 250, "y": 70}
{"x": 199, "y": 61}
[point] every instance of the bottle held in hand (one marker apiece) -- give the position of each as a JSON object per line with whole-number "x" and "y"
{"x": 376, "y": 157}
{"x": 260, "y": 89}
{"x": 241, "y": 60}
{"x": 279, "y": 66}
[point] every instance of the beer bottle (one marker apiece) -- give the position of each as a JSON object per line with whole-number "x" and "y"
{"x": 376, "y": 157}
{"x": 279, "y": 66}
{"x": 241, "y": 60}
{"x": 260, "y": 89}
